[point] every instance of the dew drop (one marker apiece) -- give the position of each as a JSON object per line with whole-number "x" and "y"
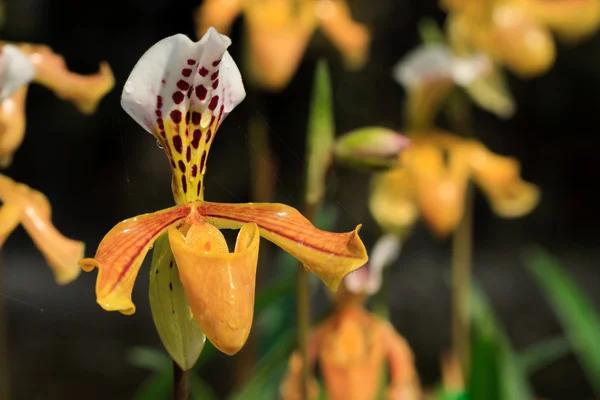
{"x": 128, "y": 87}
{"x": 159, "y": 145}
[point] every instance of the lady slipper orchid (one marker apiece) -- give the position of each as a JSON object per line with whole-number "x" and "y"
{"x": 47, "y": 68}
{"x": 352, "y": 346}
{"x": 21, "y": 204}
{"x": 432, "y": 181}
{"x": 517, "y": 33}
{"x": 180, "y": 91}
{"x": 279, "y": 31}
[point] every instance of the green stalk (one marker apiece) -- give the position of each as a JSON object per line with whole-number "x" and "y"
{"x": 459, "y": 116}
{"x": 461, "y": 284}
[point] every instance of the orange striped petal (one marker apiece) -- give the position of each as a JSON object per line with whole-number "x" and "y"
{"x": 329, "y": 255}
{"x": 121, "y": 253}
{"x": 219, "y": 285}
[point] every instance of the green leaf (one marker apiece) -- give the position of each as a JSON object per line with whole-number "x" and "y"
{"x": 539, "y": 355}
{"x": 150, "y": 358}
{"x": 496, "y": 372}
{"x": 575, "y": 311}
{"x": 173, "y": 319}
{"x": 155, "y": 387}
{"x": 321, "y": 134}
{"x": 268, "y": 371}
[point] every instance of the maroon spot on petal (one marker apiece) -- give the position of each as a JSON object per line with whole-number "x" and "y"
{"x": 196, "y": 116}
{"x": 183, "y": 184}
{"x": 173, "y": 165}
{"x": 194, "y": 170}
{"x": 176, "y": 116}
{"x": 158, "y": 113}
{"x": 189, "y": 93}
{"x": 213, "y": 103}
{"x": 159, "y": 101}
{"x": 215, "y": 75}
{"x": 183, "y": 85}
{"x": 181, "y": 165}
{"x": 202, "y": 161}
{"x": 186, "y": 72}
{"x": 178, "y": 97}
{"x": 160, "y": 123}
{"x": 163, "y": 81}
{"x": 208, "y": 136}
{"x": 187, "y": 117}
{"x": 191, "y": 62}
{"x": 163, "y": 134}
{"x": 196, "y": 139}
{"x": 199, "y": 188}
{"x": 188, "y": 154}
{"x": 203, "y": 71}
{"x": 221, "y": 112}
{"x": 215, "y": 84}
{"x": 212, "y": 120}
{"x": 216, "y": 63}
{"x": 201, "y": 92}
{"x": 177, "y": 145}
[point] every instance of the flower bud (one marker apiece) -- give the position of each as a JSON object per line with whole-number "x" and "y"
{"x": 372, "y": 147}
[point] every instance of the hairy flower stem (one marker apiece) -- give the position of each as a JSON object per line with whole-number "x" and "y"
{"x": 459, "y": 116}
{"x": 303, "y": 313}
{"x": 180, "y": 383}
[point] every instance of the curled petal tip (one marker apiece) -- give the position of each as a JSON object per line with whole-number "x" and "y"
{"x": 88, "y": 264}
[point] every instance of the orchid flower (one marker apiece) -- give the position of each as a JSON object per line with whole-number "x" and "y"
{"x": 180, "y": 91}
{"x": 432, "y": 178}
{"x": 352, "y": 346}
{"x": 517, "y": 33}
{"x": 21, "y": 204}
{"x": 278, "y": 33}
{"x": 43, "y": 66}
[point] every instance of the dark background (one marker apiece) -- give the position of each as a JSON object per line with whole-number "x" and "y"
{"x": 97, "y": 170}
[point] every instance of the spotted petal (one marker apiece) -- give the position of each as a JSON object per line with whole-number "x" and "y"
{"x": 219, "y": 285}
{"x": 15, "y": 70}
{"x": 180, "y": 91}
{"x": 121, "y": 252}
{"x": 329, "y": 255}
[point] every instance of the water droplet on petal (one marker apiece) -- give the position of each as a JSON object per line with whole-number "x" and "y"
{"x": 128, "y": 87}
{"x": 160, "y": 146}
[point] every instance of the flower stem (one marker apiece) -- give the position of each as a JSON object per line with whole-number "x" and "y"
{"x": 462, "y": 248}
{"x": 303, "y": 313}
{"x": 460, "y": 118}
{"x": 180, "y": 383}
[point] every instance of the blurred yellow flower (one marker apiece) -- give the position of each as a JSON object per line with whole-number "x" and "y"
{"x": 432, "y": 179}
{"x": 352, "y": 346}
{"x": 517, "y": 33}
{"x": 21, "y": 204}
{"x": 278, "y": 33}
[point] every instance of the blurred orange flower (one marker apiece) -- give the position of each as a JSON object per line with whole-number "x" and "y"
{"x": 21, "y": 204}
{"x": 517, "y": 33}
{"x": 278, "y": 33}
{"x": 432, "y": 179}
{"x": 352, "y": 347}
{"x": 50, "y": 70}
